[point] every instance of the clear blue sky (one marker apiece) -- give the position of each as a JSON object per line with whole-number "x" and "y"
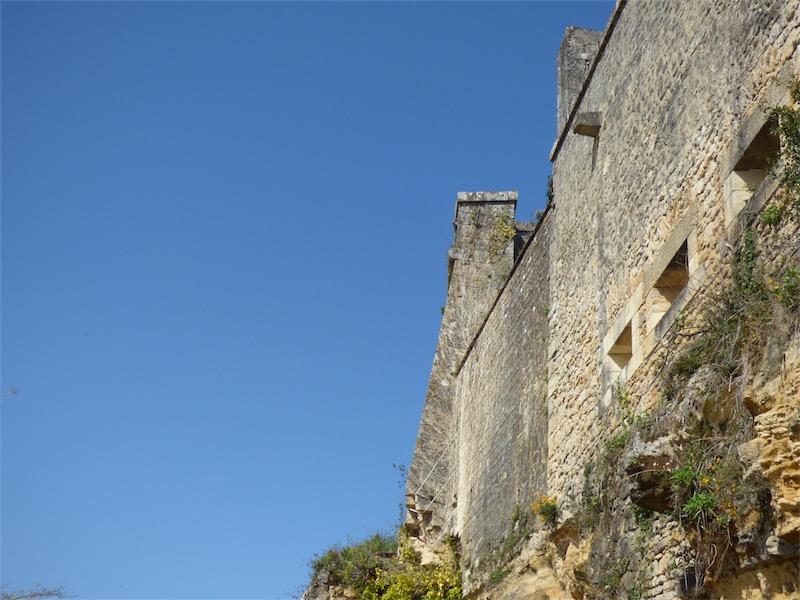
{"x": 224, "y": 238}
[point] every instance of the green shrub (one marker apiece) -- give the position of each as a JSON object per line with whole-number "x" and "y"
{"x": 683, "y": 478}
{"x": 787, "y": 127}
{"x": 644, "y": 520}
{"x": 772, "y": 215}
{"x": 353, "y": 565}
{"x": 788, "y": 292}
{"x": 619, "y": 441}
{"x": 381, "y": 568}
{"x": 547, "y": 509}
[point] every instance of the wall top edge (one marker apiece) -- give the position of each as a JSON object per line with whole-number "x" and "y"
{"x": 510, "y": 196}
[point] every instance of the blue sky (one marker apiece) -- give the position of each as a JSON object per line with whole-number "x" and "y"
{"x": 224, "y": 238}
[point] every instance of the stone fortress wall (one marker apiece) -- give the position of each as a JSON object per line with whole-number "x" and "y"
{"x": 662, "y": 150}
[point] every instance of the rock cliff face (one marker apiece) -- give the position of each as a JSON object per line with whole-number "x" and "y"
{"x": 614, "y": 405}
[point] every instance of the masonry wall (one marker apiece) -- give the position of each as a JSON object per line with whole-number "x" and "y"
{"x": 676, "y": 94}
{"x": 675, "y": 85}
{"x": 501, "y": 408}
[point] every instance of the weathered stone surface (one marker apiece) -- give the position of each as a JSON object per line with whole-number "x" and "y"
{"x": 533, "y": 574}
{"x": 321, "y": 588}
{"x": 578, "y": 51}
{"x": 649, "y": 465}
{"x": 776, "y": 449}
{"x": 576, "y": 568}
{"x": 501, "y": 410}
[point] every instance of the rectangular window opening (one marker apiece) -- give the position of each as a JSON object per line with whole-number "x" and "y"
{"x": 750, "y": 171}
{"x": 618, "y": 357}
{"x": 668, "y": 287}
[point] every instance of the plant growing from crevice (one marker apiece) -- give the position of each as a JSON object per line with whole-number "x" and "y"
{"x": 504, "y": 231}
{"x": 787, "y": 288}
{"x": 549, "y": 198}
{"x": 593, "y": 501}
{"x": 505, "y": 227}
{"x": 683, "y": 478}
{"x": 700, "y": 507}
{"x": 612, "y": 579}
{"x": 619, "y": 441}
{"x": 628, "y": 419}
{"x": 644, "y": 524}
{"x": 546, "y": 507}
{"x": 772, "y": 215}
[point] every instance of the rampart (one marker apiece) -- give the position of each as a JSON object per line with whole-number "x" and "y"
{"x": 556, "y": 337}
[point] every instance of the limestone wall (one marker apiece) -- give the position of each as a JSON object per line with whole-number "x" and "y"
{"x": 501, "y": 408}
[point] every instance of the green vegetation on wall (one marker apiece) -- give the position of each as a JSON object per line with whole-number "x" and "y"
{"x": 786, "y": 121}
